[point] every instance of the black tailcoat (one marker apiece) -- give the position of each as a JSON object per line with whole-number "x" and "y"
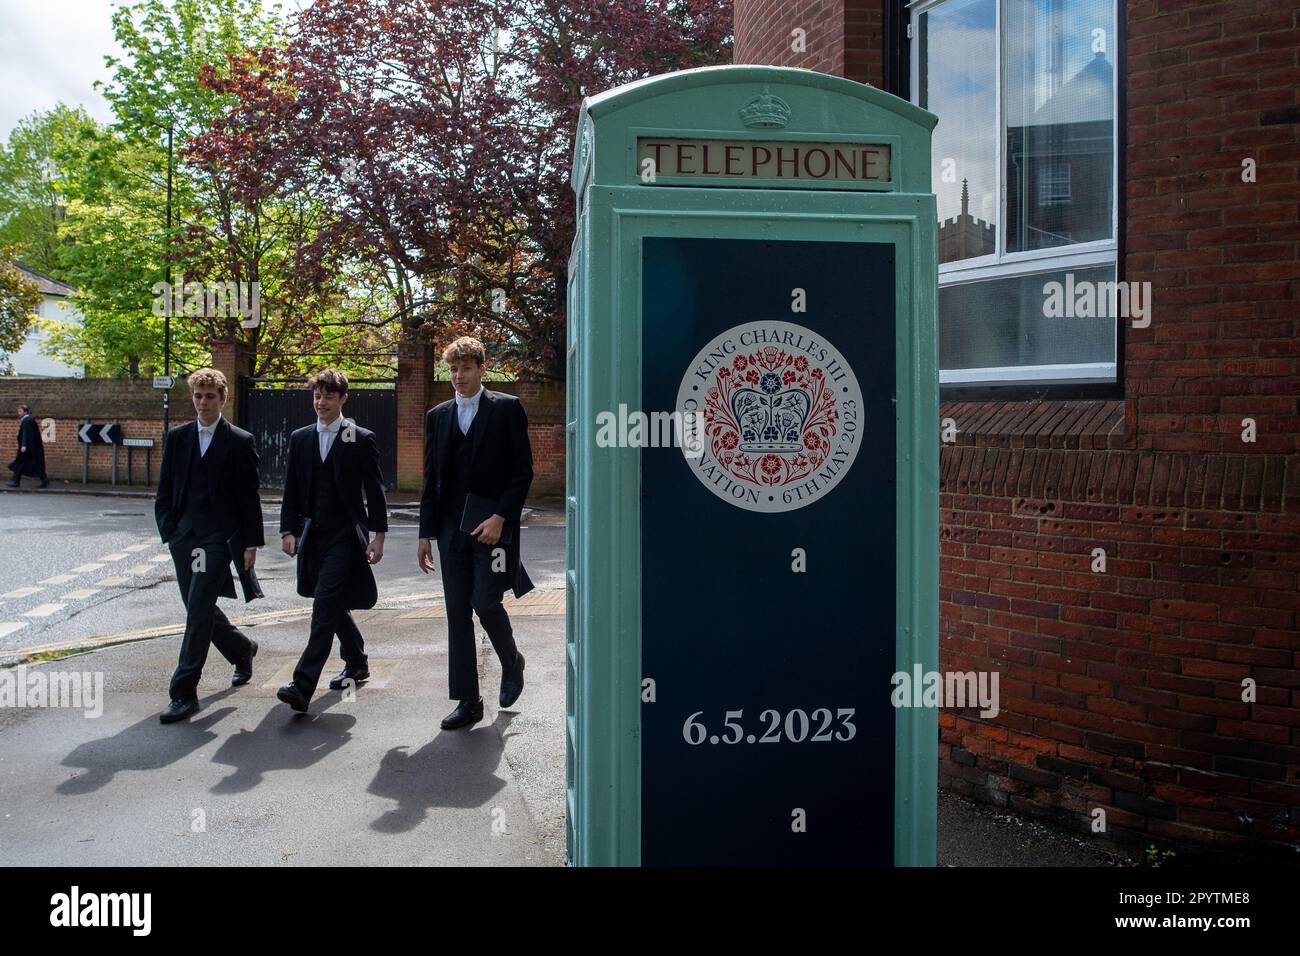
{"x": 354, "y": 468}
{"x": 232, "y": 470}
{"x": 501, "y": 468}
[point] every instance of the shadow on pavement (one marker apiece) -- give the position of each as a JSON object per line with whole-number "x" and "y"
{"x": 145, "y": 745}
{"x": 284, "y": 740}
{"x": 455, "y": 769}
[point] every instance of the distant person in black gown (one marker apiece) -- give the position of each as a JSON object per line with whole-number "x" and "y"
{"x": 31, "y": 451}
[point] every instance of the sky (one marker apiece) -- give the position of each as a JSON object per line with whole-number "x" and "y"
{"x": 52, "y": 51}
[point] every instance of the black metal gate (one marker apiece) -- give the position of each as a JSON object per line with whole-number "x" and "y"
{"x": 272, "y": 412}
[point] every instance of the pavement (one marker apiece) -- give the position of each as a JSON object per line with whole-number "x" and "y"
{"x": 363, "y": 778}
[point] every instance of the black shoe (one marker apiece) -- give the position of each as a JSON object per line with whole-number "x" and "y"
{"x": 512, "y": 682}
{"x": 244, "y": 670}
{"x": 11, "y": 484}
{"x": 45, "y": 483}
{"x": 357, "y": 676}
{"x": 292, "y": 696}
{"x": 178, "y": 710}
{"x": 466, "y": 714}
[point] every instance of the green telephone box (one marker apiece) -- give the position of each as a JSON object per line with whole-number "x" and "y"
{"x": 752, "y": 475}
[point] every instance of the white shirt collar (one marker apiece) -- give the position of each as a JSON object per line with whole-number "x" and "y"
{"x": 209, "y": 429}
{"x": 471, "y": 401}
{"x": 331, "y": 427}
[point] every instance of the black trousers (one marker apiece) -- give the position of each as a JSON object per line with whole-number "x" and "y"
{"x": 470, "y": 585}
{"x": 335, "y": 555}
{"x": 205, "y": 623}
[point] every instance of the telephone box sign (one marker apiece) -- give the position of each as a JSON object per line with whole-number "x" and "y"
{"x": 762, "y": 159}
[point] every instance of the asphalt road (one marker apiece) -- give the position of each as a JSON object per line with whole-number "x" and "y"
{"x": 76, "y": 567}
{"x": 367, "y": 778}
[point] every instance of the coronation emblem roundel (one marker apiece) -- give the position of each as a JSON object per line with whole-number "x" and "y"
{"x": 778, "y": 413}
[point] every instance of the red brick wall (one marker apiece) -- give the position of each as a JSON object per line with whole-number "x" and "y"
{"x": 840, "y": 36}
{"x": 136, "y": 406}
{"x": 1123, "y": 690}
{"x": 414, "y": 370}
{"x": 1210, "y": 85}
{"x": 139, "y": 410}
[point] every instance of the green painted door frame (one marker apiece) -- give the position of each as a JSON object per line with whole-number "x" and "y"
{"x": 616, "y": 210}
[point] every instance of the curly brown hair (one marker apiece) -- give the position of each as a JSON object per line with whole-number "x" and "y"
{"x": 207, "y": 377}
{"x": 465, "y": 347}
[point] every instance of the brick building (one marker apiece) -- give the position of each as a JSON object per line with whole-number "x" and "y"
{"x": 63, "y": 404}
{"x": 1154, "y": 141}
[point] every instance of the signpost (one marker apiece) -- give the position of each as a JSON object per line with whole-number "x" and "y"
{"x": 131, "y": 444}
{"x": 90, "y": 433}
{"x": 164, "y": 381}
{"x": 110, "y": 433}
{"x": 755, "y": 261}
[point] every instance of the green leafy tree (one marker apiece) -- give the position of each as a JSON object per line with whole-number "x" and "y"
{"x": 20, "y": 297}
{"x": 277, "y": 240}
{"x": 32, "y": 203}
{"x": 112, "y": 252}
{"x": 117, "y": 250}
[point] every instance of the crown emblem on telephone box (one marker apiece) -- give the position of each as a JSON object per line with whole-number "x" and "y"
{"x": 771, "y": 418}
{"x": 765, "y": 110}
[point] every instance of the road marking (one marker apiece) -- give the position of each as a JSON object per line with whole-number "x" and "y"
{"x": 139, "y": 568}
{"x": 125, "y": 637}
{"x": 115, "y": 556}
{"x": 44, "y": 610}
{"x": 86, "y": 568}
{"x": 132, "y": 549}
{"x": 80, "y": 594}
{"x": 8, "y": 627}
{"x": 60, "y": 579}
{"x": 21, "y": 593}
{"x": 160, "y": 558}
{"x": 534, "y": 604}
{"x": 423, "y": 613}
{"x": 112, "y": 582}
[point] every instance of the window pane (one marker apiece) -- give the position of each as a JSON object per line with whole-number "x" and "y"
{"x": 1002, "y": 322}
{"x": 958, "y": 83}
{"x": 1058, "y": 58}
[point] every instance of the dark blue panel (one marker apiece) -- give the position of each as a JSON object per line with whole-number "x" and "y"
{"x": 726, "y": 623}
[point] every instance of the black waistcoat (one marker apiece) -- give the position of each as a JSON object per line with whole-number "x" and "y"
{"x": 200, "y": 510}
{"x": 460, "y": 451}
{"x": 327, "y": 510}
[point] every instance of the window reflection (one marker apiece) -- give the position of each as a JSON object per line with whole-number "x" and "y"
{"x": 1059, "y": 113}
{"x": 958, "y": 82}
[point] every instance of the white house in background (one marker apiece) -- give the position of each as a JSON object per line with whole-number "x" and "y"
{"x": 28, "y": 362}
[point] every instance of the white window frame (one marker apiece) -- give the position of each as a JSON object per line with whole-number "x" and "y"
{"x": 1003, "y": 264}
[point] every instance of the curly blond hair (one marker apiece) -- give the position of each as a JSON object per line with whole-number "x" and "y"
{"x": 205, "y": 377}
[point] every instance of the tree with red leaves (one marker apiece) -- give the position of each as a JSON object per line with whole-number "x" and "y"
{"x": 438, "y": 133}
